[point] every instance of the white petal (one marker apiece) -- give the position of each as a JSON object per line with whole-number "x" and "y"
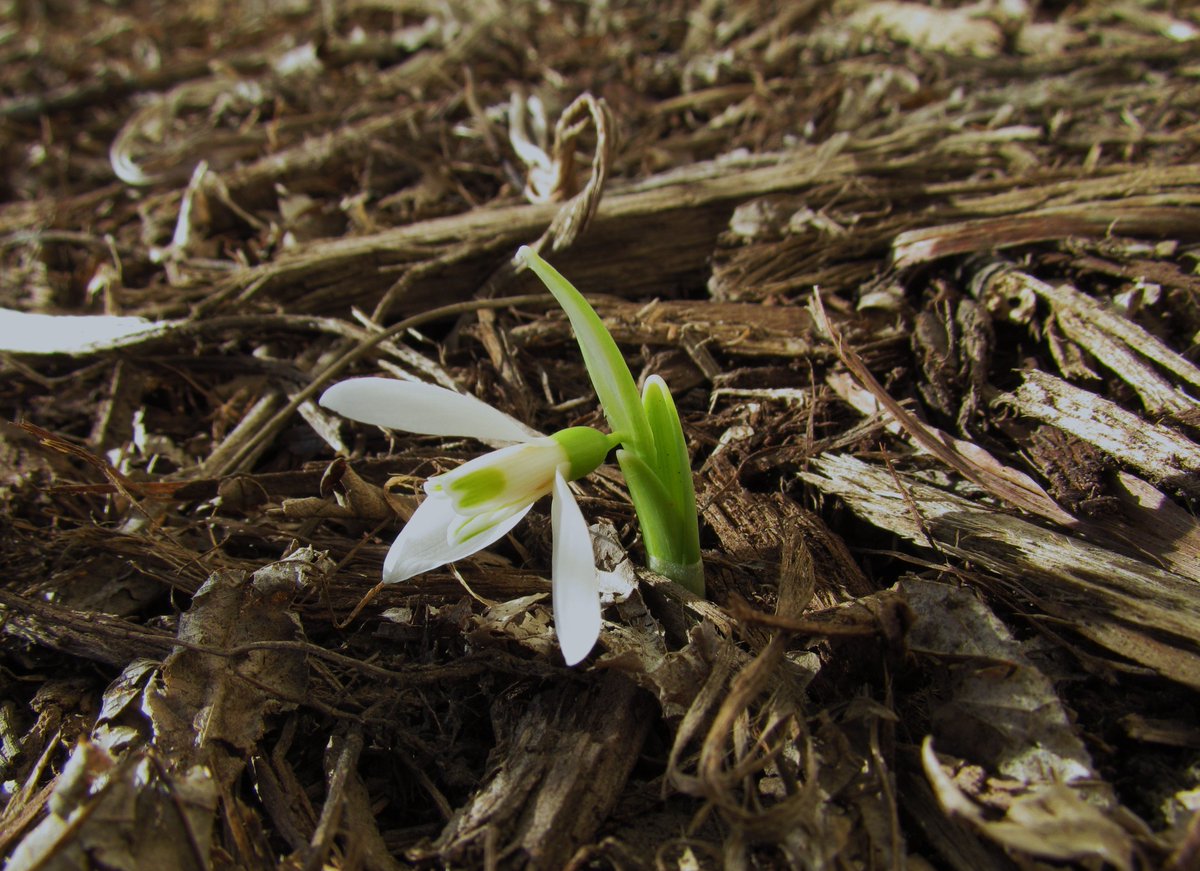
{"x": 414, "y": 406}
{"x": 30, "y": 333}
{"x": 575, "y": 583}
{"x": 423, "y": 544}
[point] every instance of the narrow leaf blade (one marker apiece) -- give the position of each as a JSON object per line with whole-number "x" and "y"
{"x": 672, "y": 464}
{"x": 609, "y": 373}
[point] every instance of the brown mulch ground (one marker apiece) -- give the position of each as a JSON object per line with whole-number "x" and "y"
{"x": 923, "y": 278}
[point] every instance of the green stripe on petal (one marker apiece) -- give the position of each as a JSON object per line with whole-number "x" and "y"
{"x": 424, "y": 542}
{"x": 477, "y": 531}
{"x": 508, "y": 476}
{"x": 478, "y": 488}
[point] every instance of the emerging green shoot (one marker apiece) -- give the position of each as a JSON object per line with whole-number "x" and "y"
{"x": 654, "y": 457}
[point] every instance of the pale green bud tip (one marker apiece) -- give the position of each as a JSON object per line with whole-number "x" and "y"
{"x": 585, "y": 447}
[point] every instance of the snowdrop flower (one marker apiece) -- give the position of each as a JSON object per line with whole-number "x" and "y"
{"x": 475, "y": 505}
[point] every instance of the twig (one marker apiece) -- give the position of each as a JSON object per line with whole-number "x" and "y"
{"x": 331, "y": 812}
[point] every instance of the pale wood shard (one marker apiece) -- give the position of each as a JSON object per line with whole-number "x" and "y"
{"x": 1139, "y": 611}
{"x": 1156, "y": 392}
{"x": 1119, "y": 343}
{"x": 1109, "y": 182}
{"x": 1159, "y": 527}
{"x": 1085, "y": 219}
{"x": 1159, "y": 453}
{"x": 968, "y": 459}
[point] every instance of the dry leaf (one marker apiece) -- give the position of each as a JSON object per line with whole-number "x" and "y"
{"x": 130, "y": 814}
{"x": 998, "y": 709}
{"x": 1051, "y": 821}
{"x": 216, "y": 700}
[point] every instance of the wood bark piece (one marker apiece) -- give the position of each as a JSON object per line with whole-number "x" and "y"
{"x": 1129, "y": 181}
{"x": 757, "y": 531}
{"x": 1117, "y": 342}
{"x": 743, "y": 329}
{"x": 556, "y": 779}
{"x": 1137, "y": 610}
{"x": 681, "y": 212}
{"x": 1157, "y": 395}
{"x": 86, "y": 634}
{"x": 1157, "y": 452}
{"x": 1099, "y": 219}
{"x": 967, "y": 458}
{"x": 1158, "y": 525}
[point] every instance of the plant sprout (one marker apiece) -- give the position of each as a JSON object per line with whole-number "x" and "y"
{"x": 653, "y": 456}
{"x": 471, "y": 507}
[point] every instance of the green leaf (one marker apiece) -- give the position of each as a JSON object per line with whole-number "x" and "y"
{"x": 655, "y": 510}
{"x": 672, "y": 464}
{"x": 609, "y": 373}
{"x": 654, "y": 459}
{"x": 668, "y": 551}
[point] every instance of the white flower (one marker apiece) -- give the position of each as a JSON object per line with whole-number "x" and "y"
{"x": 475, "y": 505}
